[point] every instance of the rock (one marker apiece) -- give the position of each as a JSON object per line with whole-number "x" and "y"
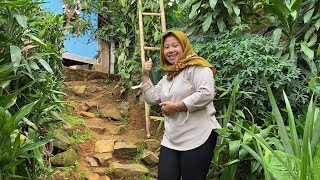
{"x": 97, "y": 129}
{"x": 105, "y": 178}
{"x": 92, "y": 162}
{"x": 118, "y": 130}
{"x": 67, "y": 127}
{"x": 61, "y": 140}
{"x": 79, "y": 90}
{"x": 104, "y": 146}
{"x": 152, "y": 144}
{"x": 64, "y": 159}
{"x": 124, "y": 150}
{"x": 87, "y": 114}
{"x": 112, "y": 113}
{"x": 103, "y": 158}
{"x": 100, "y": 170}
{"x": 82, "y": 107}
{"x": 94, "y": 176}
{"x": 128, "y": 170}
{"x": 124, "y": 108}
{"x": 94, "y": 89}
{"x": 149, "y": 158}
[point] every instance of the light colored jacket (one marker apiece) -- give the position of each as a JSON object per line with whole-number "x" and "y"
{"x": 195, "y": 87}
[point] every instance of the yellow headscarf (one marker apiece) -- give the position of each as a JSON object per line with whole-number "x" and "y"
{"x": 189, "y": 57}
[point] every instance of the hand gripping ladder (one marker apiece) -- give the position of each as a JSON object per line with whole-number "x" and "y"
{"x": 143, "y": 48}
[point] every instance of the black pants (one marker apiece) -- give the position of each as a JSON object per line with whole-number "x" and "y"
{"x": 190, "y": 165}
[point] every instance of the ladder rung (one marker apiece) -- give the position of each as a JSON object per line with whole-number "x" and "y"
{"x": 151, "y": 48}
{"x": 157, "y": 118}
{"x": 151, "y": 14}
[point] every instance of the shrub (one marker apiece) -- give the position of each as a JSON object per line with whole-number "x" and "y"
{"x": 254, "y": 58}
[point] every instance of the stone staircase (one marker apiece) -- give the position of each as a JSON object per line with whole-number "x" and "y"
{"x": 119, "y": 148}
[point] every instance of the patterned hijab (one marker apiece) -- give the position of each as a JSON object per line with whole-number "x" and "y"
{"x": 189, "y": 57}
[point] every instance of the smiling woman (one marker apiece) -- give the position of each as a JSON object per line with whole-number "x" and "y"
{"x": 172, "y": 49}
{"x": 185, "y": 95}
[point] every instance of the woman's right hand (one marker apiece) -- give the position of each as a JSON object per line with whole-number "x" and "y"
{"x": 147, "y": 67}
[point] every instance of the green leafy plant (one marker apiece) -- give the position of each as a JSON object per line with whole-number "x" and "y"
{"x": 252, "y": 57}
{"x": 30, "y": 65}
{"x": 232, "y": 159}
{"x": 299, "y": 21}
{"x": 292, "y": 157}
{"x": 218, "y": 15}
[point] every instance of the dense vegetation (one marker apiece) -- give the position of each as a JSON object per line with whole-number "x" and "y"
{"x": 30, "y": 79}
{"x": 266, "y": 52}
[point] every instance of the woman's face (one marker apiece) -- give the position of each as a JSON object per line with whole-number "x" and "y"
{"x": 172, "y": 49}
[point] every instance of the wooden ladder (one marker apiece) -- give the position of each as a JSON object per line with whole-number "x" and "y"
{"x": 143, "y": 48}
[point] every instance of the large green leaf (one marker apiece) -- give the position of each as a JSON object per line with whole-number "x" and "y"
{"x": 15, "y": 53}
{"x": 276, "y": 36}
{"x": 12, "y": 123}
{"x": 206, "y": 24}
{"x": 282, "y": 6}
{"x": 8, "y": 100}
{"x": 295, "y": 5}
{"x": 277, "y": 169}
{"x": 308, "y": 15}
{"x": 228, "y": 5}
{"x": 36, "y": 39}
{"x": 252, "y": 152}
{"x": 315, "y": 135}
{"x": 306, "y": 161}
{"x": 277, "y": 115}
{"x": 4, "y": 82}
{"x": 316, "y": 159}
{"x": 33, "y": 146}
{"x": 221, "y": 25}
{"x": 194, "y": 9}
{"x": 213, "y": 3}
{"x": 317, "y": 24}
{"x": 46, "y": 66}
{"x": 6, "y": 69}
{"x": 22, "y": 20}
{"x": 279, "y": 13}
{"x": 307, "y": 51}
{"x": 293, "y": 131}
{"x": 2, "y": 117}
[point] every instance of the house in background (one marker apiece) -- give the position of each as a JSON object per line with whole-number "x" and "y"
{"x": 83, "y": 51}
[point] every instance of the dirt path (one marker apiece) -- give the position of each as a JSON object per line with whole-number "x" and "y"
{"x": 109, "y": 118}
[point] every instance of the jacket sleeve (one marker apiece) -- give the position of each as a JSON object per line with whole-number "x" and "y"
{"x": 202, "y": 80}
{"x": 151, "y": 93}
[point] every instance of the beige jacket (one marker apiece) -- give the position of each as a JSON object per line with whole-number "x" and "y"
{"x": 195, "y": 87}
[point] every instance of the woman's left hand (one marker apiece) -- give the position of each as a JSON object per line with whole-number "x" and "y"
{"x": 168, "y": 108}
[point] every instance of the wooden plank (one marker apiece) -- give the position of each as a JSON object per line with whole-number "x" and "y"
{"x": 104, "y": 56}
{"x": 78, "y": 58}
{"x": 112, "y": 58}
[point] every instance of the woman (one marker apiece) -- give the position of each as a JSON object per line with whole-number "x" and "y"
{"x": 185, "y": 95}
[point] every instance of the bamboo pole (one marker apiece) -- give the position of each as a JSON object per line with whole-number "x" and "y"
{"x": 163, "y": 18}
{"x": 143, "y": 60}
